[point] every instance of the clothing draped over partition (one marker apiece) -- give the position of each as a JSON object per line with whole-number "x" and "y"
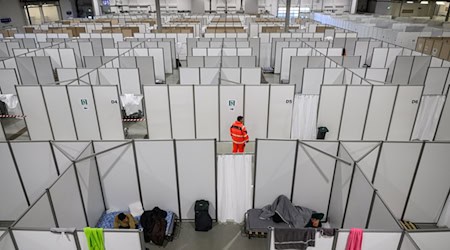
{"x": 234, "y": 177}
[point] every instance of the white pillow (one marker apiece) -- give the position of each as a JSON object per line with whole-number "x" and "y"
{"x": 136, "y": 209}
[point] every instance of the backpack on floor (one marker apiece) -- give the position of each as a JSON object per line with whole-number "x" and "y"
{"x": 203, "y": 221}
{"x": 159, "y": 232}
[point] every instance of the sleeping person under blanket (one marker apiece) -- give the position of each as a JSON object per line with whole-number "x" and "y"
{"x": 282, "y": 210}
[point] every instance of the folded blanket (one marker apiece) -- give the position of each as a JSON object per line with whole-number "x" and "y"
{"x": 295, "y": 216}
{"x": 289, "y": 238}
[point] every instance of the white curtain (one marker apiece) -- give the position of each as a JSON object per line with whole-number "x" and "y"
{"x": 428, "y": 117}
{"x": 234, "y": 179}
{"x": 304, "y": 119}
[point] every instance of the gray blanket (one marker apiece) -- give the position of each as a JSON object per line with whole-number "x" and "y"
{"x": 295, "y": 216}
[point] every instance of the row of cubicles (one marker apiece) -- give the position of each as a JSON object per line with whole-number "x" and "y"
{"x": 171, "y": 111}
{"x": 370, "y": 185}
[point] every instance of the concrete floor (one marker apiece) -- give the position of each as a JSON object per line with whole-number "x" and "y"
{"x": 221, "y": 236}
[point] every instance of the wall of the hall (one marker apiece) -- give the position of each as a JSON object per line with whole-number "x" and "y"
{"x": 68, "y": 5}
{"x": 405, "y": 10}
{"x": 13, "y": 10}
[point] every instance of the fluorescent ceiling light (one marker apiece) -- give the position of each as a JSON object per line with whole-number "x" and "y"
{"x": 423, "y": 2}
{"x": 440, "y": 3}
{"x": 409, "y": 1}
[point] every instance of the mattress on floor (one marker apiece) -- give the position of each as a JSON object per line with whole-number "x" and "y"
{"x": 107, "y": 221}
{"x": 255, "y": 224}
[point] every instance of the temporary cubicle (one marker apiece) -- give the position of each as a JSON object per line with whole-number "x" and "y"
{"x": 186, "y": 112}
{"x": 369, "y": 185}
{"x": 89, "y": 173}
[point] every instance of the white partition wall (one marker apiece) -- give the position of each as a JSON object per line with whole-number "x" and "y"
{"x": 6, "y": 242}
{"x": 182, "y": 112}
{"x": 274, "y": 170}
{"x": 34, "y": 108}
{"x": 117, "y": 166}
{"x": 207, "y": 112}
{"x": 372, "y": 240}
{"x": 68, "y": 212}
{"x": 90, "y": 186}
{"x": 433, "y": 168}
{"x": 359, "y": 201}
{"x": 108, "y": 110}
{"x": 2, "y": 133}
{"x": 280, "y": 111}
{"x": 355, "y": 112}
{"x": 395, "y": 171}
{"x": 314, "y": 169}
{"x": 66, "y": 151}
{"x": 365, "y": 153}
{"x": 157, "y": 174}
{"x": 189, "y": 76}
{"x": 59, "y": 112}
{"x": 443, "y": 129}
{"x": 256, "y": 111}
{"x": 115, "y": 240}
{"x": 10, "y": 183}
{"x": 8, "y": 79}
{"x": 158, "y": 58}
{"x": 33, "y": 159}
{"x": 435, "y": 81}
{"x": 29, "y": 239}
{"x": 157, "y": 112}
{"x": 39, "y": 216}
{"x": 231, "y": 106}
{"x": 330, "y": 109}
{"x": 431, "y": 240}
{"x": 84, "y": 112}
{"x": 312, "y": 80}
{"x": 419, "y": 70}
{"x": 379, "y": 113}
{"x": 405, "y": 112}
{"x": 196, "y": 160}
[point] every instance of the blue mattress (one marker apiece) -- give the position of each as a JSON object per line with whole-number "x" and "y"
{"x": 107, "y": 221}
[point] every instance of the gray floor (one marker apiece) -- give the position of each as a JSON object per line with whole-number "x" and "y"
{"x": 221, "y": 236}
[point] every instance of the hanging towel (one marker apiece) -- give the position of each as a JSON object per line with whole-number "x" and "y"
{"x": 354, "y": 240}
{"x": 94, "y": 238}
{"x": 298, "y": 238}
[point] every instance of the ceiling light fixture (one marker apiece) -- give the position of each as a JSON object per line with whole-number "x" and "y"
{"x": 409, "y": 1}
{"x": 440, "y": 3}
{"x": 423, "y": 2}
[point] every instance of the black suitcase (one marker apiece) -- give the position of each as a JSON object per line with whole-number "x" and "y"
{"x": 203, "y": 221}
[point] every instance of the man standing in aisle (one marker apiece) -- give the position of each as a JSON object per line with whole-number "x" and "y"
{"x": 239, "y": 135}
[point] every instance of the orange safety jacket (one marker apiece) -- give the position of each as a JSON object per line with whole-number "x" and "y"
{"x": 238, "y": 133}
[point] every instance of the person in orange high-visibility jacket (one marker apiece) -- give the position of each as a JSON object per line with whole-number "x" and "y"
{"x": 239, "y": 135}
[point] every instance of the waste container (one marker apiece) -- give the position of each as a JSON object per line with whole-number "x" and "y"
{"x": 321, "y": 132}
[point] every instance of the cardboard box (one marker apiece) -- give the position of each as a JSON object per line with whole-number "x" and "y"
{"x": 420, "y": 44}
{"x": 437, "y": 45}
{"x": 445, "y": 50}
{"x": 428, "y": 47}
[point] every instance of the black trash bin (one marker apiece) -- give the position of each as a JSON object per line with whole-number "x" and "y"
{"x": 321, "y": 132}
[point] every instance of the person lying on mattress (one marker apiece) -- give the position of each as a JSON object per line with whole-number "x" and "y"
{"x": 125, "y": 221}
{"x": 282, "y": 210}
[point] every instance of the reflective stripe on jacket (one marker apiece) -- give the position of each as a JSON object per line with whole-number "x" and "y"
{"x": 238, "y": 133}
